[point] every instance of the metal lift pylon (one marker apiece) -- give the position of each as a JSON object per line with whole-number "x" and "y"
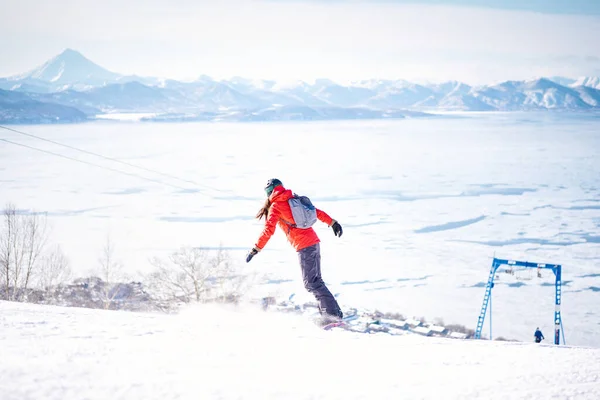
{"x": 496, "y": 263}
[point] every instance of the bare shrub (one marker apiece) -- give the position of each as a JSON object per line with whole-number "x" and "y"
{"x": 197, "y": 274}
{"x": 54, "y": 269}
{"x": 111, "y": 273}
{"x": 503, "y": 339}
{"x": 460, "y": 329}
{"x": 391, "y": 315}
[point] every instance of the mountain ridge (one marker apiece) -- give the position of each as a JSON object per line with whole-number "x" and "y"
{"x": 71, "y": 80}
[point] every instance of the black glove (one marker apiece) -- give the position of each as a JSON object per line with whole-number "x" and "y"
{"x": 337, "y": 229}
{"x": 251, "y": 254}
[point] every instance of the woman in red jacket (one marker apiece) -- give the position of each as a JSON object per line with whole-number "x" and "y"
{"x": 277, "y": 211}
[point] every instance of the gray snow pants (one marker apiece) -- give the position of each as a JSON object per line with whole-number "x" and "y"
{"x": 310, "y": 261}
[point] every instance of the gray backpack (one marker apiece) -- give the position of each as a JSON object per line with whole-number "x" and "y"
{"x": 303, "y": 211}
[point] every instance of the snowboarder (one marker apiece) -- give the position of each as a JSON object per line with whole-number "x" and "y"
{"x": 277, "y": 211}
{"x": 538, "y": 335}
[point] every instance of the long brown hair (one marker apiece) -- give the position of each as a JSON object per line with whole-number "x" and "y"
{"x": 264, "y": 211}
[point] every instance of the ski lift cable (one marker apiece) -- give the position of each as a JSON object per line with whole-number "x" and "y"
{"x": 95, "y": 165}
{"x": 110, "y": 159}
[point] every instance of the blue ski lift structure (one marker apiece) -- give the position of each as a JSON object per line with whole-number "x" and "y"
{"x": 487, "y": 298}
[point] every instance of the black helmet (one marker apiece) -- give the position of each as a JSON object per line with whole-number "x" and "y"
{"x": 271, "y": 184}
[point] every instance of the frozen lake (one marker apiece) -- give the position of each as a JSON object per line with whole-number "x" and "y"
{"x": 425, "y": 204}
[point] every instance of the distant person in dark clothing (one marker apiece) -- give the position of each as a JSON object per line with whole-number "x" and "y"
{"x": 538, "y": 335}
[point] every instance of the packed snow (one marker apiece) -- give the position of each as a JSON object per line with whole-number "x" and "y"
{"x": 212, "y": 352}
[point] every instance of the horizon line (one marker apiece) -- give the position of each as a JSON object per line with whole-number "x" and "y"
{"x": 423, "y": 81}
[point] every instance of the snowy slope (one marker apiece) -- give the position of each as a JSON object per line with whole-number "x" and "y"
{"x": 55, "y": 353}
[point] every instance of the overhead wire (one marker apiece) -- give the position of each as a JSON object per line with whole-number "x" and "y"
{"x": 95, "y": 165}
{"x": 105, "y": 158}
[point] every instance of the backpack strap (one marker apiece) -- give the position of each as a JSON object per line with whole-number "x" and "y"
{"x": 289, "y": 225}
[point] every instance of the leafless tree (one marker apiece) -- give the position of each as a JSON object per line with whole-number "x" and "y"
{"x": 110, "y": 271}
{"x": 36, "y": 237}
{"x": 228, "y": 281}
{"x": 7, "y": 235}
{"x": 54, "y": 269}
{"x": 198, "y": 274}
{"x": 168, "y": 283}
{"x": 22, "y": 241}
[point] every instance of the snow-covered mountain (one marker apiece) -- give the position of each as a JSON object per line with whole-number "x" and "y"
{"x": 16, "y": 107}
{"x": 537, "y": 94}
{"x": 68, "y": 70}
{"x": 65, "y": 70}
{"x": 338, "y": 95}
{"x": 588, "y": 94}
{"x": 70, "y": 79}
{"x": 561, "y": 80}
{"x": 590, "y": 81}
{"x": 399, "y": 96}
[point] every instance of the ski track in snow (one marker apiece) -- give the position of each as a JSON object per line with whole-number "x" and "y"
{"x": 55, "y": 353}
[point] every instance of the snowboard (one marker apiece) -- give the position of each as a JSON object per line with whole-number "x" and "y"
{"x": 333, "y": 325}
{"x": 343, "y": 323}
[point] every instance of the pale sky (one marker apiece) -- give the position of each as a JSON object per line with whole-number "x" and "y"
{"x": 474, "y": 41}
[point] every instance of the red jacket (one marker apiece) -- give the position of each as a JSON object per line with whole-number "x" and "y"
{"x": 279, "y": 212}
